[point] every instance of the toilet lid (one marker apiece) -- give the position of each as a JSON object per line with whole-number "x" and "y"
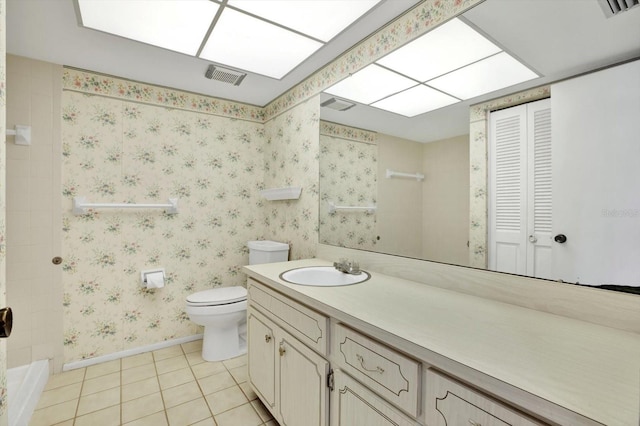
{"x": 218, "y": 296}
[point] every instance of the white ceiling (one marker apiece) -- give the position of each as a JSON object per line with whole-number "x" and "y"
{"x": 556, "y": 38}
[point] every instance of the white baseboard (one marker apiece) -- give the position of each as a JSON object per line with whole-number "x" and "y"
{"x": 129, "y": 352}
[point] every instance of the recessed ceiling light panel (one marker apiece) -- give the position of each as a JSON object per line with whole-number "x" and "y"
{"x": 255, "y": 45}
{"x": 171, "y": 24}
{"x": 491, "y": 74}
{"x": 321, "y": 19}
{"x": 448, "y": 47}
{"x": 370, "y": 84}
{"x": 415, "y": 101}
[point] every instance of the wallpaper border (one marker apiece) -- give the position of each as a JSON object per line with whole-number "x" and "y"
{"x": 115, "y": 87}
{"x": 328, "y": 128}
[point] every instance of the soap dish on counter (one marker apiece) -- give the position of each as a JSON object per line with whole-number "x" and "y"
{"x": 286, "y": 193}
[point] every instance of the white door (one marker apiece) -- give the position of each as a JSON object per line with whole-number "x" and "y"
{"x": 520, "y": 190}
{"x": 596, "y": 175}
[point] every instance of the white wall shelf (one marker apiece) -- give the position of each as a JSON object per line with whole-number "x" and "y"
{"x": 285, "y": 193}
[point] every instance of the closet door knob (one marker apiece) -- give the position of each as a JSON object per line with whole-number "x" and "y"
{"x": 533, "y": 239}
{"x": 560, "y": 238}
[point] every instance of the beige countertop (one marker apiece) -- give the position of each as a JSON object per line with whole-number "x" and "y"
{"x": 589, "y": 369}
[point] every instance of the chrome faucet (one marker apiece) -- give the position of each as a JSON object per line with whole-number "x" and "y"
{"x": 348, "y": 267}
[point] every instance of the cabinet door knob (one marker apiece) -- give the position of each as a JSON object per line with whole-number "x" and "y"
{"x": 282, "y": 350}
{"x": 560, "y": 238}
{"x": 267, "y": 338}
{"x": 533, "y": 239}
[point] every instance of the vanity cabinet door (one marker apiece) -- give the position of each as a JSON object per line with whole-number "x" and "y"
{"x": 354, "y": 405}
{"x": 302, "y": 384}
{"x": 261, "y": 356}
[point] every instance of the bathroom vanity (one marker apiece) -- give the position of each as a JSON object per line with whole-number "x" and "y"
{"x": 391, "y": 351}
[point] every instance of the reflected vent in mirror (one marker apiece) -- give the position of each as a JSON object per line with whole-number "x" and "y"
{"x": 225, "y": 75}
{"x": 337, "y": 104}
{"x": 614, "y": 7}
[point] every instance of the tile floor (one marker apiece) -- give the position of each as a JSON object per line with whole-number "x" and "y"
{"x": 171, "y": 386}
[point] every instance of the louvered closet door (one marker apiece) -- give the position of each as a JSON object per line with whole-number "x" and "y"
{"x": 520, "y": 190}
{"x": 507, "y": 190}
{"x": 539, "y": 190}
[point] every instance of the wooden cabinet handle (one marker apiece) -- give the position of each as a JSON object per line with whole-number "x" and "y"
{"x": 282, "y": 350}
{"x": 378, "y": 370}
{"x": 267, "y": 338}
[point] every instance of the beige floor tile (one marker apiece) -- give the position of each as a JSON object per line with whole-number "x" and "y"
{"x": 195, "y": 346}
{"x": 107, "y": 417}
{"x": 157, "y": 419}
{"x": 59, "y": 395}
{"x": 141, "y": 388}
{"x": 236, "y": 362}
{"x": 98, "y": 401}
{"x": 137, "y": 360}
{"x": 142, "y": 407}
{"x": 244, "y": 415}
{"x": 171, "y": 364}
{"x": 189, "y": 413}
{"x": 101, "y": 383}
{"x": 66, "y": 378}
{"x": 195, "y": 358}
{"x": 180, "y": 394}
{"x": 239, "y": 374}
{"x": 54, "y": 414}
{"x": 211, "y": 384}
{"x": 102, "y": 369}
{"x": 207, "y": 369}
{"x": 226, "y": 399}
{"x": 169, "y": 352}
{"x": 206, "y": 422}
{"x": 248, "y": 391}
{"x": 262, "y": 411}
{"x": 175, "y": 378}
{"x": 136, "y": 374}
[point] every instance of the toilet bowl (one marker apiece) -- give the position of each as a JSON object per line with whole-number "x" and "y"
{"x": 223, "y": 313}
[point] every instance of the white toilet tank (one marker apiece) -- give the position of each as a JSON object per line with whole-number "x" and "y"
{"x": 267, "y": 252}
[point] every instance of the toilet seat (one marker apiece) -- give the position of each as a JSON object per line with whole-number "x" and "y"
{"x": 218, "y": 296}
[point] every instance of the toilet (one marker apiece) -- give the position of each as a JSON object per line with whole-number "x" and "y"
{"x": 223, "y": 311}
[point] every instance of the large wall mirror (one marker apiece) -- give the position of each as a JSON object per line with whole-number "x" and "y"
{"x": 402, "y": 183}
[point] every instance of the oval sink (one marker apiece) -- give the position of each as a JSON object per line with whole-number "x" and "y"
{"x": 322, "y": 276}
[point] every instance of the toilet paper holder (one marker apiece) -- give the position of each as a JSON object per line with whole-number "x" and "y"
{"x": 143, "y": 275}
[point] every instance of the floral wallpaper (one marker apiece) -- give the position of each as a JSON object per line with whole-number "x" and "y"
{"x": 120, "y": 151}
{"x": 348, "y": 177}
{"x": 478, "y": 142}
{"x": 291, "y": 157}
{"x": 3, "y": 207}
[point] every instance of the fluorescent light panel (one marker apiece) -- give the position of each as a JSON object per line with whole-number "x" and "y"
{"x": 415, "y": 101}
{"x": 254, "y": 45}
{"x": 494, "y": 73}
{"x": 370, "y": 84}
{"x": 448, "y": 47}
{"x": 171, "y": 24}
{"x": 321, "y": 19}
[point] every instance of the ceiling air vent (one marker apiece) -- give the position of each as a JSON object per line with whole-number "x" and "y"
{"x": 225, "y": 75}
{"x": 337, "y": 104}
{"x": 613, "y": 7}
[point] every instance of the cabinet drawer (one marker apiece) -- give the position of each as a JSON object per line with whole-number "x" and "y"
{"x": 392, "y": 375}
{"x": 307, "y": 325}
{"x": 353, "y": 405}
{"x": 451, "y": 403}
